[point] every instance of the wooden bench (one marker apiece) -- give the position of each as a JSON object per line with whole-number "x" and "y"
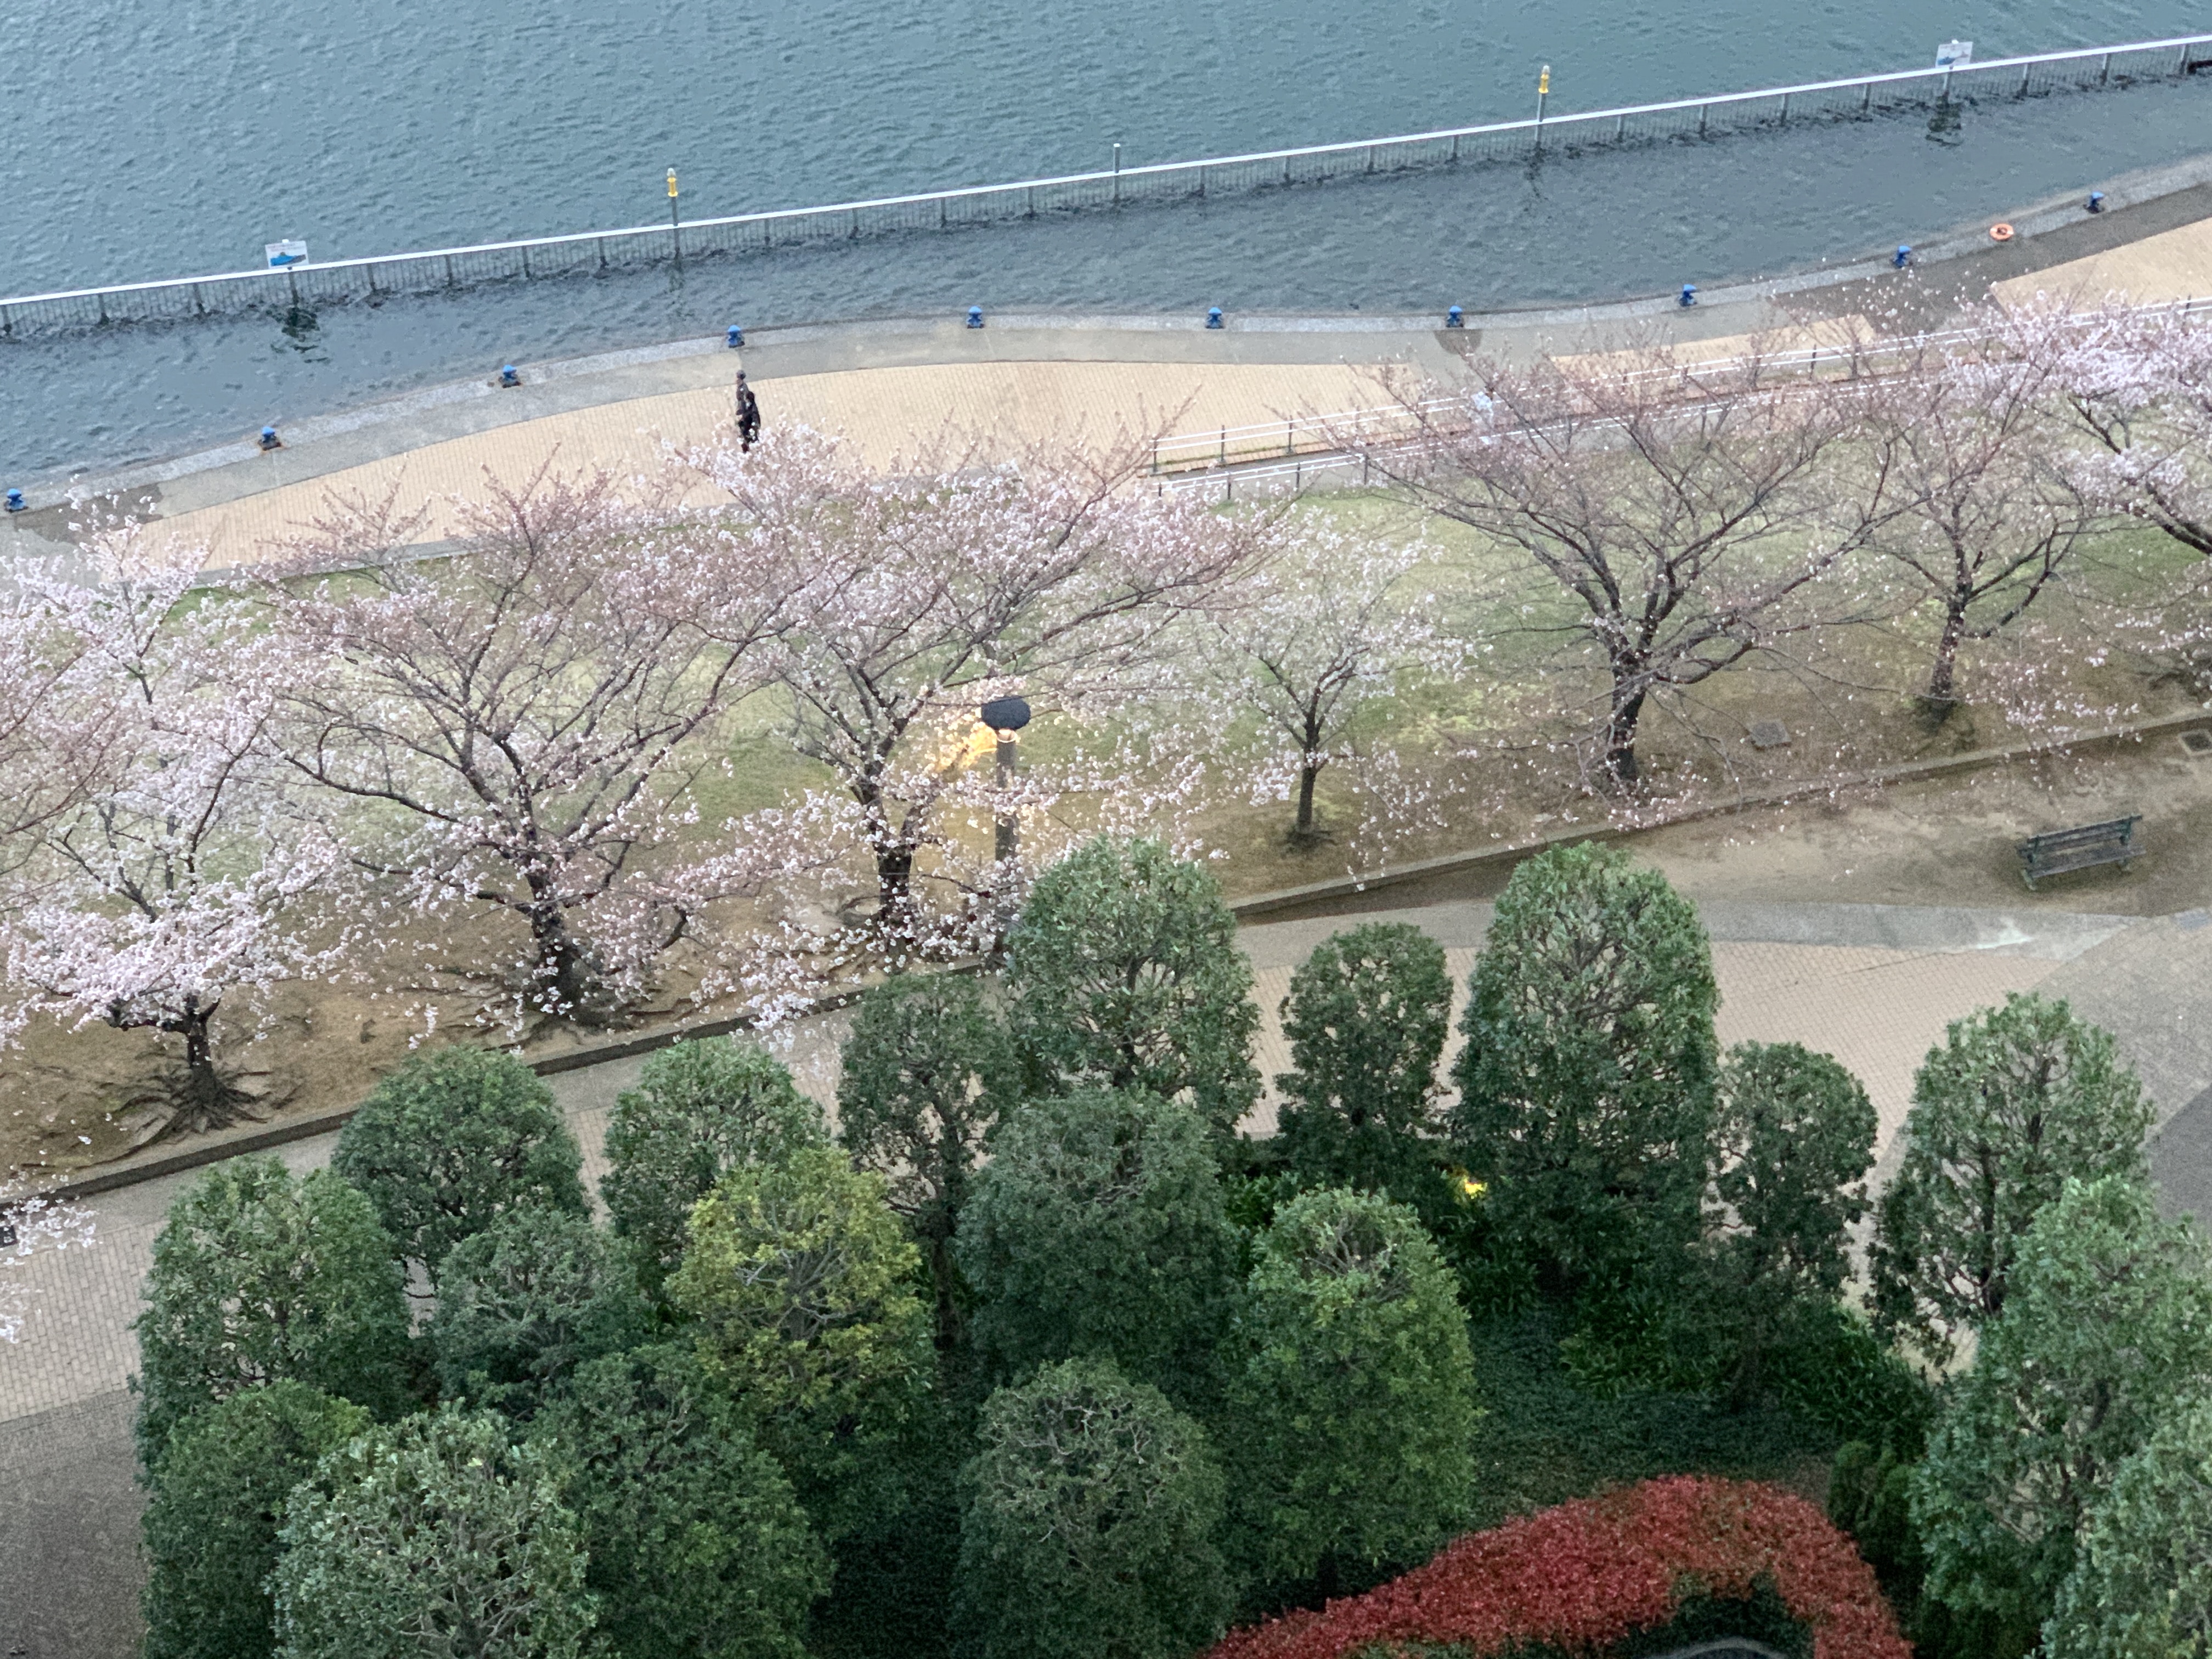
{"x": 2056, "y": 852}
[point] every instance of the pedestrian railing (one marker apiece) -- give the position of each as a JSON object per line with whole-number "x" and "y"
{"x": 1860, "y": 97}
{"x": 1294, "y": 452}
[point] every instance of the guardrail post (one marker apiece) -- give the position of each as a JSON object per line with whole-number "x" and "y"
{"x": 526, "y": 264}
{"x": 199, "y": 302}
{"x": 1619, "y": 127}
{"x": 1201, "y": 182}
{"x": 1454, "y": 154}
{"x": 1785, "y": 111}
{"x": 854, "y": 232}
{"x": 449, "y": 271}
{"x": 1290, "y": 443}
{"x": 1703, "y": 109}
{"x": 1865, "y": 98}
{"x": 2024, "y": 74}
{"x": 1370, "y": 158}
{"x": 600, "y": 242}
{"x": 7, "y": 323}
{"x": 1225, "y": 447}
{"x": 942, "y": 210}
{"x": 1286, "y": 170}
{"x": 2105, "y": 74}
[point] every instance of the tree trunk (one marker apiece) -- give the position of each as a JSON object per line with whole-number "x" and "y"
{"x": 1942, "y": 679}
{"x": 569, "y": 986}
{"x": 1301, "y": 833}
{"x": 1621, "y": 775}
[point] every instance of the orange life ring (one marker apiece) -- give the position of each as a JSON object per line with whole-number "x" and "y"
{"x": 2001, "y": 232}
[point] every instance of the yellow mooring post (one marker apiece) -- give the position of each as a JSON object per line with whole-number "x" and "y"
{"x": 1543, "y": 91}
{"x": 675, "y": 230}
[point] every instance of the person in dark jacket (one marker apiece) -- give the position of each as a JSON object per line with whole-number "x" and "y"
{"x": 748, "y": 414}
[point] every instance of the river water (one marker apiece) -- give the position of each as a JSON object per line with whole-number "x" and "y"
{"x": 144, "y": 138}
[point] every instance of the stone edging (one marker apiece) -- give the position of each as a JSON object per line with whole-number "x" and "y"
{"x": 1276, "y": 904}
{"x": 1344, "y": 887}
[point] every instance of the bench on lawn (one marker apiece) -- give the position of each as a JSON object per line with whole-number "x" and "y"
{"x": 2055, "y": 852}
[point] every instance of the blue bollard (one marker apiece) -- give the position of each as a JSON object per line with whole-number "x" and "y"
{"x": 2096, "y": 201}
{"x": 1454, "y": 318}
{"x": 1689, "y": 295}
{"x": 15, "y": 502}
{"x": 735, "y": 338}
{"x": 1213, "y": 316}
{"x": 507, "y": 376}
{"x": 270, "y": 439}
{"x": 975, "y": 316}
{"x": 1903, "y": 256}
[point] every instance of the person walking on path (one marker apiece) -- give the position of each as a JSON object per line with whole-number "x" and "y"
{"x": 748, "y": 414}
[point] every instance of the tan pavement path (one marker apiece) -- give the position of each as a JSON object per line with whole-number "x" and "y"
{"x": 2175, "y": 265}
{"x": 1873, "y": 984}
{"x": 885, "y": 415}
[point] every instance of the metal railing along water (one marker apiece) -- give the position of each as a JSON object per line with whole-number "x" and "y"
{"x": 1860, "y": 97}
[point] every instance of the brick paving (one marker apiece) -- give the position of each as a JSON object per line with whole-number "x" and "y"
{"x": 1877, "y": 1000}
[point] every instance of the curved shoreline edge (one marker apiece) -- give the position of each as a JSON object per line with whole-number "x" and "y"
{"x": 1953, "y": 269}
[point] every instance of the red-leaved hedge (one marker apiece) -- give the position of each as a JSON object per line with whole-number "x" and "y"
{"x": 1589, "y": 1574}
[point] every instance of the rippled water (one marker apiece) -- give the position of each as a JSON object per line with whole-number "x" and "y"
{"x": 160, "y": 138}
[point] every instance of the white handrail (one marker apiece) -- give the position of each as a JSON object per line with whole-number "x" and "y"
{"x": 1947, "y": 74}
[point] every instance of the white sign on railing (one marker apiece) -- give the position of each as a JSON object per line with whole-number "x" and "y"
{"x": 286, "y": 253}
{"x": 1954, "y": 51}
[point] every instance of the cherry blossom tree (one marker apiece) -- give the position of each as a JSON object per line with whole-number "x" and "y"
{"x": 176, "y": 879}
{"x": 1686, "y": 514}
{"x": 518, "y": 727}
{"x": 934, "y": 587}
{"x": 1324, "y": 627}
{"x": 45, "y": 754}
{"x": 1989, "y": 512}
{"x": 2136, "y": 382}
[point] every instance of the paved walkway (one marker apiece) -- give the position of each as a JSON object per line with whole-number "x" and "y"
{"x": 896, "y": 413}
{"x": 1873, "y": 984}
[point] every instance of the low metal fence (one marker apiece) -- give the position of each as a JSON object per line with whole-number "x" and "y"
{"x": 1303, "y": 450}
{"x": 1687, "y": 119}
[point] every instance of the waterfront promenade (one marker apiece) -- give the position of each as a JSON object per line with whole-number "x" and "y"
{"x": 1873, "y": 983}
{"x": 896, "y": 387}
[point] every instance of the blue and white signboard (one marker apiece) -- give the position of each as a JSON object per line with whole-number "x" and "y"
{"x": 1952, "y": 54}
{"x": 286, "y": 253}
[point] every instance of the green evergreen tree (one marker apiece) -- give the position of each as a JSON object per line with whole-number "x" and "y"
{"x": 697, "y": 1544}
{"x": 524, "y": 1303}
{"x": 1793, "y": 1139}
{"x": 1088, "y": 1523}
{"x": 257, "y": 1277}
{"x": 699, "y": 1109}
{"x": 2017, "y": 1101}
{"x": 1124, "y": 972}
{"x": 2142, "y": 1583}
{"x": 449, "y": 1141}
{"x": 1352, "y": 1419}
{"x": 1098, "y": 1230}
{"x": 1586, "y": 1085}
{"x": 2107, "y": 1321}
{"x": 217, "y": 1505}
{"x": 802, "y": 1283}
{"x": 438, "y": 1535}
{"x": 928, "y": 1070}
{"x": 1366, "y": 1020}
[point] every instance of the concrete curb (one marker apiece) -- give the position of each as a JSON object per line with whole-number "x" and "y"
{"x": 237, "y": 1144}
{"x": 1283, "y": 905}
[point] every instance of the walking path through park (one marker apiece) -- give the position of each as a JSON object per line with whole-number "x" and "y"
{"x": 896, "y": 386}
{"x": 1873, "y": 984}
